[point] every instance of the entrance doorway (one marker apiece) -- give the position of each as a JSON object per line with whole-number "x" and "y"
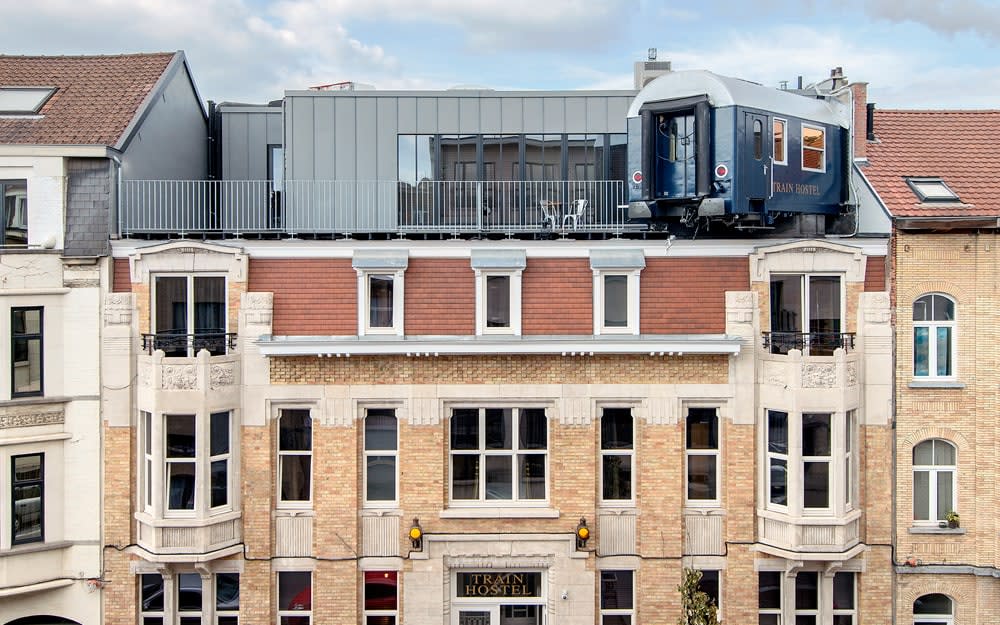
{"x": 498, "y": 598}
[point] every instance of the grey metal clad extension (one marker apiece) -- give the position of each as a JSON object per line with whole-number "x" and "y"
{"x": 499, "y": 259}
{"x": 617, "y": 259}
{"x": 380, "y": 259}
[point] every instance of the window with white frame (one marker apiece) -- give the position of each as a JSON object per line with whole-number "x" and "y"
{"x": 15, "y": 213}
{"x": 806, "y": 314}
{"x": 777, "y": 457}
{"x": 933, "y": 609}
{"x": 227, "y": 599}
{"x": 702, "y": 455}
{"x": 294, "y": 457}
{"x": 151, "y": 599}
{"x": 294, "y": 597}
{"x": 780, "y": 142}
{"x": 381, "y": 456}
{"x": 498, "y": 455}
{"x": 617, "y": 455}
{"x": 845, "y": 606}
{"x": 769, "y": 597}
{"x": 934, "y": 468}
{"x": 813, "y": 148}
{"x": 192, "y": 464}
{"x": 27, "y": 489}
{"x": 811, "y": 462}
{"x": 148, "y": 457}
{"x": 807, "y": 598}
{"x": 817, "y": 443}
{"x": 189, "y": 314}
{"x": 381, "y": 598}
{"x": 382, "y": 303}
{"x": 27, "y": 353}
{"x": 498, "y": 290}
{"x": 934, "y": 336}
{"x": 616, "y": 290}
{"x": 190, "y": 606}
{"x": 617, "y": 597}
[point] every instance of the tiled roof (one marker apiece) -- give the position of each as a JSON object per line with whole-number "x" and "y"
{"x": 95, "y": 100}
{"x": 960, "y": 147}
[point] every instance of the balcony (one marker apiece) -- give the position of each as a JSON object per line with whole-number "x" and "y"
{"x": 805, "y": 535}
{"x": 214, "y": 342}
{"x": 809, "y": 343}
{"x": 344, "y": 207}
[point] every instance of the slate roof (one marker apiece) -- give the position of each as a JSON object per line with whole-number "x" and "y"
{"x": 96, "y": 97}
{"x": 960, "y": 147}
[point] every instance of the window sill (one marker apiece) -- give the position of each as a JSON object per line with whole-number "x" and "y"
{"x": 935, "y": 384}
{"x": 187, "y": 521}
{"x": 35, "y": 547}
{"x": 937, "y": 530}
{"x": 499, "y": 513}
{"x": 34, "y": 400}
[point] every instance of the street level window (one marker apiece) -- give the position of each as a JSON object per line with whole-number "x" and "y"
{"x": 294, "y": 457}
{"x": 769, "y": 598}
{"x": 151, "y": 599}
{"x": 934, "y": 336}
{"x": 710, "y": 584}
{"x": 190, "y": 608}
{"x": 381, "y": 456}
{"x": 702, "y": 455}
{"x": 227, "y": 599}
{"x": 26, "y": 351}
{"x": 934, "y": 470}
{"x": 617, "y": 597}
{"x": 807, "y": 611}
{"x": 381, "y": 598}
{"x": 845, "y": 605}
{"x": 617, "y": 455}
{"x": 294, "y": 598}
{"x": 498, "y": 454}
{"x": 27, "y": 499}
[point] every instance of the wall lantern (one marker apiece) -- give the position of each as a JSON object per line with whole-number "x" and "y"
{"x": 416, "y": 535}
{"x": 582, "y": 534}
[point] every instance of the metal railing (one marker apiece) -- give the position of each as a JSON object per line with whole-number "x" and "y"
{"x": 217, "y": 343}
{"x": 809, "y": 343}
{"x": 241, "y": 207}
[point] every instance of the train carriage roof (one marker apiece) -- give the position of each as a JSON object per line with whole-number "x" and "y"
{"x": 725, "y": 91}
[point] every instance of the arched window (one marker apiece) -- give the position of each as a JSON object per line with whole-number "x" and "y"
{"x": 934, "y": 467}
{"x": 935, "y": 609}
{"x": 934, "y": 336}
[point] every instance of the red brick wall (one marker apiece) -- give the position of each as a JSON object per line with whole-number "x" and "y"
{"x": 439, "y": 297}
{"x": 121, "y": 277}
{"x": 875, "y": 274}
{"x": 688, "y": 295}
{"x": 557, "y": 296}
{"x": 311, "y": 296}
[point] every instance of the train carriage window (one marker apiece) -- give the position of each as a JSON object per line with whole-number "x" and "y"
{"x": 758, "y": 139}
{"x": 813, "y": 148}
{"x": 780, "y": 158}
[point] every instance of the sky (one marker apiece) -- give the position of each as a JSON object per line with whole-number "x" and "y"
{"x": 913, "y": 53}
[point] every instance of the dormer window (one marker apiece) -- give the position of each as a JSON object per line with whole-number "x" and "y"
{"x": 932, "y": 190}
{"x": 24, "y": 100}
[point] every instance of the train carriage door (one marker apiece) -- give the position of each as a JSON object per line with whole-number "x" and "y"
{"x": 756, "y": 156}
{"x": 675, "y": 154}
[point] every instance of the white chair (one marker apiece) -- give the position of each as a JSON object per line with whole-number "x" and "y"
{"x": 548, "y": 214}
{"x": 579, "y": 213}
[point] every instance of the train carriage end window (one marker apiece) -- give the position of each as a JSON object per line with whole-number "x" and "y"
{"x": 813, "y": 148}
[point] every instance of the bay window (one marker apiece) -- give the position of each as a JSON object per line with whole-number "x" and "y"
{"x": 498, "y": 454}
{"x": 817, "y": 598}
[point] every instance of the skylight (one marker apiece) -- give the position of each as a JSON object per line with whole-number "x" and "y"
{"x": 932, "y": 190}
{"x": 23, "y": 100}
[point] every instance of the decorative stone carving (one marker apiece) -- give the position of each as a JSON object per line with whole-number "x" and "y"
{"x": 179, "y": 377}
{"x": 118, "y": 309}
{"x": 575, "y": 411}
{"x": 657, "y": 411}
{"x": 776, "y": 374}
{"x": 222, "y": 375}
{"x": 816, "y": 375}
{"x": 29, "y": 419}
{"x": 876, "y": 307}
{"x": 739, "y": 306}
{"x": 258, "y": 308}
{"x": 852, "y": 374}
{"x": 498, "y": 562}
{"x": 145, "y": 374}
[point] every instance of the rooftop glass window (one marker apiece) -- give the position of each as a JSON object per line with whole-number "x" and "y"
{"x": 932, "y": 190}
{"x": 24, "y": 100}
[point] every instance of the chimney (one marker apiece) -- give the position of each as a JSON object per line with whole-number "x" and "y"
{"x": 837, "y": 78}
{"x": 860, "y": 121}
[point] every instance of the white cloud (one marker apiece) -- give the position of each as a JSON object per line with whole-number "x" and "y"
{"x": 943, "y": 16}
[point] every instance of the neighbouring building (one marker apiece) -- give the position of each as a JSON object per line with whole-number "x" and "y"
{"x": 413, "y": 364}
{"x": 71, "y": 128}
{"x": 942, "y": 190}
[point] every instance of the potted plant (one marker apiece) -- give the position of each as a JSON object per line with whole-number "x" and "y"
{"x": 952, "y": 519}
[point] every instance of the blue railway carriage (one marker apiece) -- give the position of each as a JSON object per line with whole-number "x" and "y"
{"x": 705, "y": 148}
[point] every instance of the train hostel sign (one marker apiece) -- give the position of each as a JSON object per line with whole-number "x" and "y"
{"x": 499, "y": 585}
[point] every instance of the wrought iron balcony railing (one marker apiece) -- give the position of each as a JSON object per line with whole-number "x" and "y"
{"x": 173, "y": 345}
{"x": 296, "y": 207}
{"x": 809, "y": 343}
